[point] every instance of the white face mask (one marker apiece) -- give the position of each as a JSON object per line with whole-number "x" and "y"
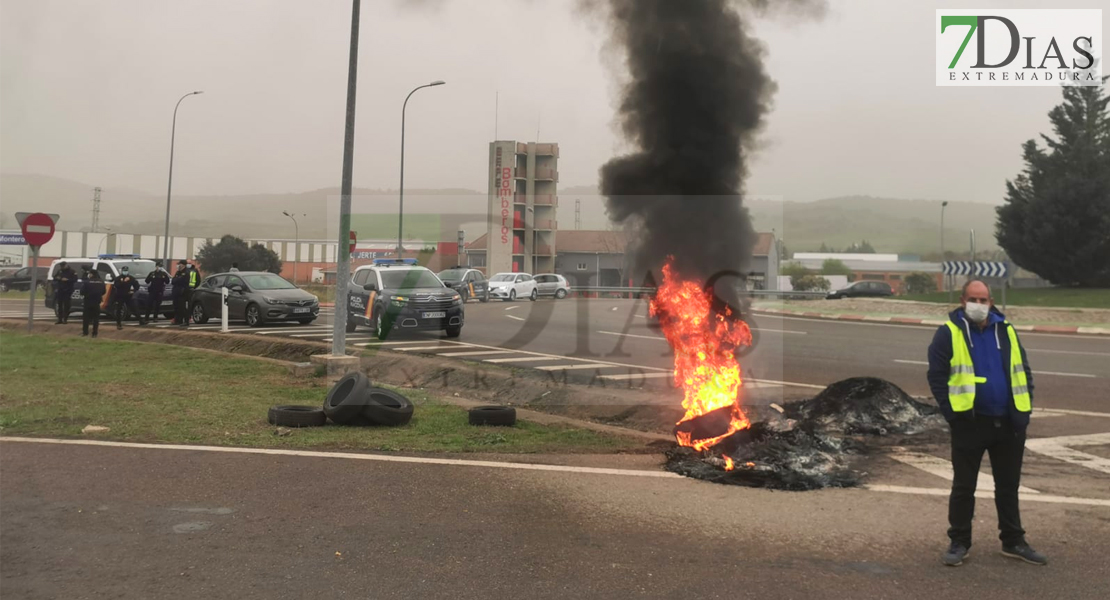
{"x": 977, "y": 312}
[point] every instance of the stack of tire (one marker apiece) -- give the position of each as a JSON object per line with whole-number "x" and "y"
{"x": 351, "y": 401}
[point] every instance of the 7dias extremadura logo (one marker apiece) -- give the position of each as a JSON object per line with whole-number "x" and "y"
{"x": 1019, "y": 47}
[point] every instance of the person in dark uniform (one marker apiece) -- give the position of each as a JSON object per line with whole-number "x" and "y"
{"x": 156, "y": 286}
{"x": 123, "y": 295}
{"x": 180, "y": 285}
{"x": 93, "y": 292}
{"x": 64, "y": 280}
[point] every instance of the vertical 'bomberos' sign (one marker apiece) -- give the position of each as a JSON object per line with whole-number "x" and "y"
{"x": 504, "y": 192}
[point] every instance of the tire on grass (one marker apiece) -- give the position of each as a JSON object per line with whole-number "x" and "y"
{"x": 493, "y": 415}
{"x": 346, "y": 399}
{"x": 296, "y": 416}
{"x": 386, "y": 407}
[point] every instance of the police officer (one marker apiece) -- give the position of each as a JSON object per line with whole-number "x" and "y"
{"x": 93, "y": 292}
{"x": 180, "y": 295}
{"x": 194, "y": 280}
{"x": 156, "y": 286}
{"x": 123, "y": 295}
{"x": 64, "y": 280}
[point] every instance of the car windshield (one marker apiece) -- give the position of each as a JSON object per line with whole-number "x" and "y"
{"x": 452, "y": 274}
{"x": 267, "y": 281}
{"x": 138, "y": 269}
{"x": 503, "y": 277}
{"x": 410, "y": 278}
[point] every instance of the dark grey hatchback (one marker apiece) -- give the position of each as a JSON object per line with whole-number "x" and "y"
{"x": 256, "y": 297}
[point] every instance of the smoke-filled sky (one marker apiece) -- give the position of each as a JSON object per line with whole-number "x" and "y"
{"x": 87, "y": 90}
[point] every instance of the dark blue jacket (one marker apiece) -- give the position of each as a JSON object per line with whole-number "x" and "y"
{"x": 940, "y": 357}
{"x": 64, "y": 280}
{"x": 156, "y": 281}
{"x": 124, "y": 287}
{"x": 93, "y": 291}
{"x": 180, "y": 283}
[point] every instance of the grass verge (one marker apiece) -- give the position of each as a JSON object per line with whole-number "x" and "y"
{"x": 1047, "y": 297}
{"x": 55, "y": 386}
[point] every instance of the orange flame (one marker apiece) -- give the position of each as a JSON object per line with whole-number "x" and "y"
{"x": 728, "y": 463}
{"x": 704, "y": 342}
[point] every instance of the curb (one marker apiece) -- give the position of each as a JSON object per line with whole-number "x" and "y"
{"x": 925, "y": 322}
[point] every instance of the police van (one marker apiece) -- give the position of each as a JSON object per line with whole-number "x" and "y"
{"x": 108, "y": 266}
{"x": 396, "y": 294}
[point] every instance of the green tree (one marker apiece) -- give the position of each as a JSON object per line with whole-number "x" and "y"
{"x": 862, "y": 247}
{"x": 218, "y": 257}
{"x": 794, "y": 269}
{"x": 920, "y": 283}
{"x": 809, "y": 283}
{"x": 1056, "y": 218}
{"x": 833, "y": 266}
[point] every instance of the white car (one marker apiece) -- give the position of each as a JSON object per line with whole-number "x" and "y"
{"x": 510, "y": 286}
{"x": 550, "y": 284}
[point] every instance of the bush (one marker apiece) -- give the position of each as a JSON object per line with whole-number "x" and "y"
{"x": 218, "y": 257}
{"x": 920, "y": 283}
{"x": 833, "y": 266}
{"x": 809, "y": 283}
{"x": 794, "y": 269}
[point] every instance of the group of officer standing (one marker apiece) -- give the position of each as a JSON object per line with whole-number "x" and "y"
{"x": 184, "y": 280}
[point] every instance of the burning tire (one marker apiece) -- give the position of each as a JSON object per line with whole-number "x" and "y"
{"x": 386, "y": 407}
{"x": 504, "y": 416}
{"x": 296, "y": 416}
{"x": 346, "y": 399}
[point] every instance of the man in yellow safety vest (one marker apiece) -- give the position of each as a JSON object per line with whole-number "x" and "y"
{"x": 981, "y": 379}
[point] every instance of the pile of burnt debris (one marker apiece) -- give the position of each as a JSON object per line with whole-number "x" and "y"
{"x": 813, "y": 443}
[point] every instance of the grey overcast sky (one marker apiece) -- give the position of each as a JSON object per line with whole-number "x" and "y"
{"x": 87, "y": 89}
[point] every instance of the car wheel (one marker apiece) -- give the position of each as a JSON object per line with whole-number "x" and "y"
{"x": 199, "y": 316}
{"x": 559, "y": 295}
{"x": 253, "y": 315}
{"x": 386, "y": 407}
{"x": 453, "y": 331}
{"x": 296, "y": 416}
{"x": 381, "y": 327}
{"x": 346, "y": 399}
{"x": 535, "y": 294}
{"x": 485, "y": 298}
{"x": 512, "y": 295}
{"x": 465, "y": 295}
{"x": 493, "y": 415}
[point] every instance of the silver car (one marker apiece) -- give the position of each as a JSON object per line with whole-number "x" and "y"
{"x": 550, "y": 284}
{"x": 255, "y": 297}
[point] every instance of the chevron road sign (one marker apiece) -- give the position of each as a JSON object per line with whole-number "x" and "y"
{"x": 979, "y": 268}
{"x": 991, "y": 269}
{"x": 957, "y": 267}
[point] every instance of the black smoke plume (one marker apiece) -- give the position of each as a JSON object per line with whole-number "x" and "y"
{"x": 697, "y": 95}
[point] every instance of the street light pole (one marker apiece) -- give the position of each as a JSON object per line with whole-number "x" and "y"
{"x": 169, "y": 186}
{"x": 944, "y": 278}
{"x": 342, "y": 254}
{"x": 401, "y": 193}
{"x": 296, "y": 246}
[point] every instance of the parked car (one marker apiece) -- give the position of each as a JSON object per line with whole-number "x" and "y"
{"x": 108, "y": 266}
{"x": 862, "y": 289}
{"x": 20, "y": 279}
{"x": 469, "y": 283}
{"x": 256, "y": 297}
{"x": 510, "y": 286}
{"x": 550, "y": 284}
{"x": 398, "y": 295}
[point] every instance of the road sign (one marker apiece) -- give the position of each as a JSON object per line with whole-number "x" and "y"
{"x": 991, "y": 269}
{"x": 957, "y": 267}
{"x": 354, "y": 238}
{"x": 37, "y": 228}
{"x": 12, "y": 239}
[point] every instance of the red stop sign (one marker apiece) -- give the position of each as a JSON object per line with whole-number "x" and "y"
{"x": 354, "y": 238}
{"x": 38, "y": 229}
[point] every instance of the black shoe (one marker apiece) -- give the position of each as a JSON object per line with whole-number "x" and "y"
{"x": 1025, "y": 552}
{"x": 955, "y": 555}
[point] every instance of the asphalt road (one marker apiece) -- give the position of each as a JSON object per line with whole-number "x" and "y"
{"x": 609, "y": 340}
{"x": 99, "y": 522}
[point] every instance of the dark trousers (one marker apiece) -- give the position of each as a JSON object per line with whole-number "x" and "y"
{"x": 91, "y": 316}
{"x": 180, "y": 310}
{"x": 62, "y": 304}
{"x": 128, "y": 302}
{"x": 997, "y": 437}
{"x": 154, "y": 306}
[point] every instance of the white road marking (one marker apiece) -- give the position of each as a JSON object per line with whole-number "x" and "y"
{"x": 423, "y": 348}
{"x": 475, "y": 353}
{"x": 512, "y": 308}
{"x": 781, "y": 331}
{"x": 628, "y": 376}
{"x": 1060, "y": 448}
{"x": 281, "y": 330}
{"x": 397, "y": 343}
{"x": 943, "y": 468}
{"x": 1035, "y": 371}
{"x": 1077, "y": 413}
{"x": 1068, "y": 352}
{"x": 574, "y": 367}
{"x": 631, "y": 335}
{"x": 902, "y": 489}
{"x": 789, "y": 383}
{"x": 520, "y": 359}
{"x": 515, "y": 318}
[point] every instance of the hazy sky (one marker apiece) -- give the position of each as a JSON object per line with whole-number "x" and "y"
{"x": 87, "y": 89}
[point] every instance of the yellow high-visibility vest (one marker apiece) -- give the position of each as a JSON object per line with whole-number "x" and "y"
{"x": 192, "y": 279}
{"x": 962, "y": 379}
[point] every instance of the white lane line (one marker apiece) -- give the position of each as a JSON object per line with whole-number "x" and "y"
{"x": 631, "y": 335}
{"x": 512, "y": 308}
{"x": 920, "y": 491}
{"x": 423, "y": 348}
{"x": 789, "y": 383}
{"x": 398, "y": 343}
{"x": 943, "y": 468}
{"x": 1068, "y": 352}
{"x": 628, "y": 376}
{"x": 475, "y": 353}
{"x": 515, "y": 318}
{"x": 574, "y": 367}
{"x": 281, "y": 330}
{"x": 1076, "y": 413}
{"x": 781, "y": 331}
{"x": 354, "y": 456}
{"x": 311, "y": 335}
{"x": 1060, "y": 448}
{"x": 521, "y": 359}
{"x": 1035, "y": 371}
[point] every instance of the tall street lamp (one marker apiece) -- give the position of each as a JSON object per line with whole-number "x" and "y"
{"x": 169, "y": 186}
{"x": 401, "y": 208}
{"x": 297, "y": 244}
{"x": 108, "y": 231}
{"x": 944, "y": 277}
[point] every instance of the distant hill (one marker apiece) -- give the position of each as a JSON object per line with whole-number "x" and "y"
{"x": 889, "y": 224}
